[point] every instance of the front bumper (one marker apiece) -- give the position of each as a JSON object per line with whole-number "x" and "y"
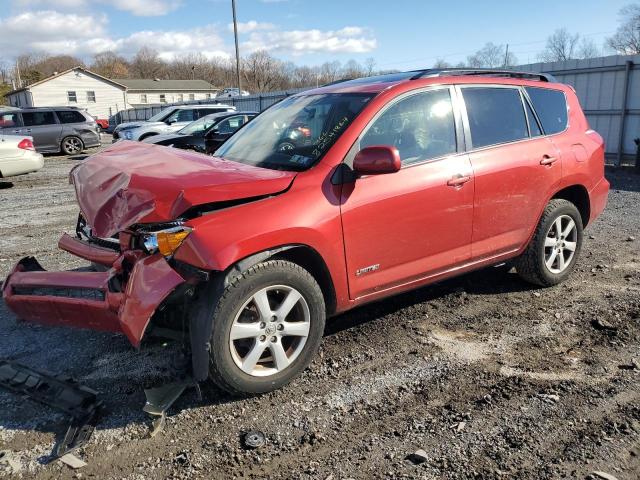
{"x": 122, "y": 299}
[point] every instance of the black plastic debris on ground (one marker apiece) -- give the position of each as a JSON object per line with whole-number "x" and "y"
{"x": 61, "y": 393}
{"x": 160, "y": 399}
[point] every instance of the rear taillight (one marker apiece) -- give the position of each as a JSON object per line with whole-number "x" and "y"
{"x": 26, "y": 144}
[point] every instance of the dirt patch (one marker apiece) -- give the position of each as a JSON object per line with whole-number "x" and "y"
{"x": 489, "y": 376}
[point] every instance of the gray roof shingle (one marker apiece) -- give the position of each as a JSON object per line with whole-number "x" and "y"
{"x": 151, "y": 84}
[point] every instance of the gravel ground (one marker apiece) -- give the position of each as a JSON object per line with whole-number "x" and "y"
{"x": 489, "y": 376}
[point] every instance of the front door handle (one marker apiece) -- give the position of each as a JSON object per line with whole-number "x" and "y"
{"x": 547, "y": 160}
{"x": 458, "y": 180}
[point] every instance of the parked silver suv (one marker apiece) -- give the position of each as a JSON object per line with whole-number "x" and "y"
{"x": 169, "y": 120}
{"x": 54, "y": 129}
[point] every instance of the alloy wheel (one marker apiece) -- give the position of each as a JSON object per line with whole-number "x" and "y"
{"x": 72, "y": 145}
{"x": 560, "y": 244}
{"x": 270, "y": 330}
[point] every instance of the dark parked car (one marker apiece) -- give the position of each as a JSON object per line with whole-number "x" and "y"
{"x": 54, "y": 129}
{"x": 206, "y": 134}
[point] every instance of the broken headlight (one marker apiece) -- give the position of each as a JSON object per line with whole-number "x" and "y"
{"x": 165, "y": 241}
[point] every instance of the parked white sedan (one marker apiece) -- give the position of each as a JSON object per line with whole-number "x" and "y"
{"x": 18, "y": 156}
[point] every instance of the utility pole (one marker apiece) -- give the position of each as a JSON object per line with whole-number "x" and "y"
{"x": 506, "y": 56}
{"x": 235, "y": 34}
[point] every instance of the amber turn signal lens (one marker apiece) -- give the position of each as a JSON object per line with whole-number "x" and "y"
{"x": 168, "y": 242}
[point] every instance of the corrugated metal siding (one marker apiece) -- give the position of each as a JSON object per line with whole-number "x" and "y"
{"x": 599, "y": 84}
{"x": 53, "y": 93}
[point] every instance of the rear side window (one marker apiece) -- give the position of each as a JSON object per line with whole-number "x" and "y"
{"x": 70, "y": 116}
{"x": 35, "y": 119}
{"x": 420, "y": 127}
{"x": 551, "y": 107}
{"x": 495, "y": 115}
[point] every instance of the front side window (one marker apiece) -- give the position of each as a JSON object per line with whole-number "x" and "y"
{"x": 230, "y": 124}
{"x": 91, "y": 96}
{"x": 421, "y": 127}
{"x": 296, "y": 132}
{"x": 70, "y": 116}
{"x": 551, "y": 107}
{"x": 8, "y": 120}
{"x": 181, "y": 115}
{"x": 496, "y": 115}
{"x": 199, "y": 126}
{"x": 71, "y": 97}
{"x": 36, "y": 119}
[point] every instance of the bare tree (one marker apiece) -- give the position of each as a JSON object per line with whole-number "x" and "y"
{"x": 492, "y": 56}
{"x": 441, "y": 63}
{"x": 110, "y": 65}
{"x": 587, "y": 49}
{"x": 352, "y": 69}
{"x": 626, "y": 40}
{"x": 369, "y": 66}
{"x": 330, "y": 71}
{"x": 561, "y": 45}
{"x": 147, "y": 64}
{"x": 262, "y": 72}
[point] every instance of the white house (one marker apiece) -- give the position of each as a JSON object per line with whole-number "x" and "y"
{"x": 103, "y": 97}
{"x": 141, "y": 92}
{"x": 76, "y": 87}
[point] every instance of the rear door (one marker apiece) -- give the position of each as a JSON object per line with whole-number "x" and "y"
{"x": 10, "y": 123}
{"x": 43, "y": 126}
{"x": 516, "y": 168}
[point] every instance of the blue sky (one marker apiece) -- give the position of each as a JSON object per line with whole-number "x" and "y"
{"x": 398, "y": 34}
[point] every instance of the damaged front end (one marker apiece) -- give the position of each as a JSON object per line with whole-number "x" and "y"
{"x": 138, "y": 282}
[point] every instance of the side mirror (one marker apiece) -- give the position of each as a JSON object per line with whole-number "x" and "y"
{"x": 377, "y": 159}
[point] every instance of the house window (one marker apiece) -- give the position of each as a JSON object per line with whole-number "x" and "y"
{"x": 71, "y": 97}
{"x": 91, "y": 96}
{"x": 179, "y": 97}
{"x": 163, "y": 98}
{"x": 208, "y": 96}
{"x": 143, "y": 98}
{"x": 192, "y": 96}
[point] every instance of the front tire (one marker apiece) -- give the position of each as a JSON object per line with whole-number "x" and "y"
{"x": 553, "y": 251}
{"x": 267, "y": 327}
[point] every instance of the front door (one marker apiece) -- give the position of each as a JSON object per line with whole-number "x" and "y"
{"x": 44, "y": 128}
{"x": 414, "y": 223}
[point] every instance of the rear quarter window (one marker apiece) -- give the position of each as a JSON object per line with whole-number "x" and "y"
{"x": 70, "y": 116}
{"x": 551, "y": 107}
{"x": 35, "y": 119}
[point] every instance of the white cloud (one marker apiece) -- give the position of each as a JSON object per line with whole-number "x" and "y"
{"x": 171, "y": 44}
{"x": 300, "y": 42}
{"x": 144, "y": 8}
{"x": 85, "y": 34}
{"x": 251, "y": 26}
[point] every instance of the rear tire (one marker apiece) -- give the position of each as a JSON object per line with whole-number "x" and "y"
{"x": 553, "y": 251}
{"x": 71, "y": 145}
{"x": 264, "y": 335}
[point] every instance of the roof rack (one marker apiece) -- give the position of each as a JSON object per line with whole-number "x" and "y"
{"x": 487, "y": 72}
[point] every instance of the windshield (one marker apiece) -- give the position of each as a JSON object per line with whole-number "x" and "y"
{"x": 197, "y": 127}
{"x": 158, "y": 117}
{"x": 295, "y": 133}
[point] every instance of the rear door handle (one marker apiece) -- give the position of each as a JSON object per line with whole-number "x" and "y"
{"x": 547, "y": 160}
{"x": 458, "y": 180}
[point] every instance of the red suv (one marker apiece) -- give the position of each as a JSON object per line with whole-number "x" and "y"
{"x": 403, "y": 180}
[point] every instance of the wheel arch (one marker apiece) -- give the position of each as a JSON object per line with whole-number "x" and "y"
{"x": 202, "y": 319}
{"x": 300, "y": 254}
{"x": 579, "y": 196}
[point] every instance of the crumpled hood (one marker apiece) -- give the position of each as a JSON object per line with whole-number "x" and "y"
{"x": 133, "y": 182}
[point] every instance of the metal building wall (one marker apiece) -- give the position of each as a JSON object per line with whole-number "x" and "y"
{"x": 601, "y": 84}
